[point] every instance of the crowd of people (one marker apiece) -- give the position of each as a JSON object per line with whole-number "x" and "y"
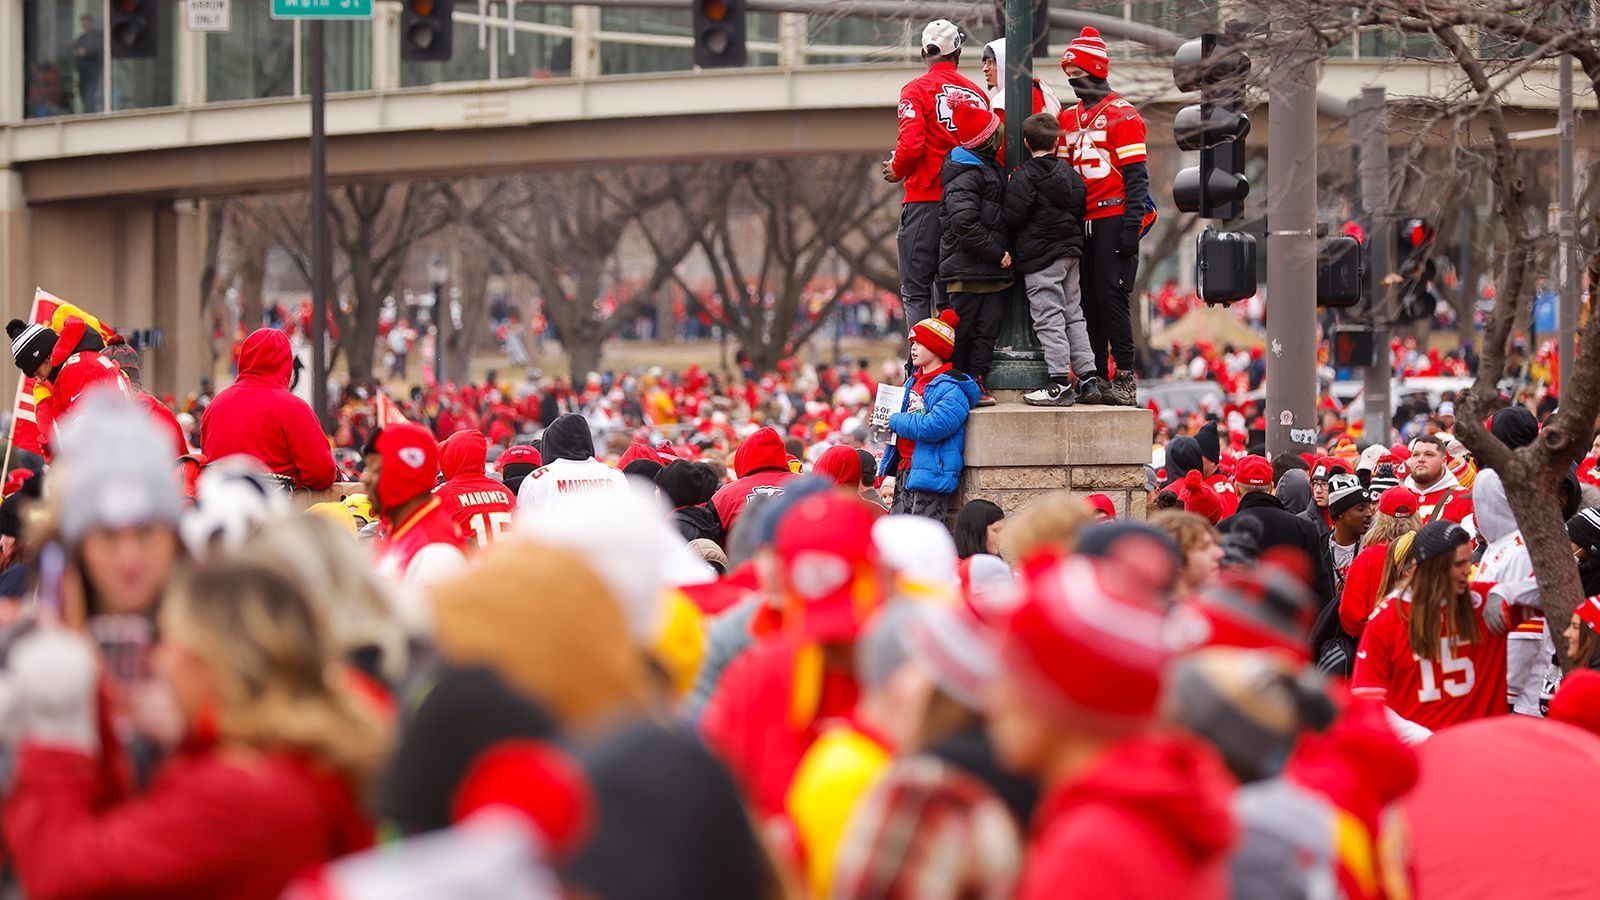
{"x": 674, "y": 635}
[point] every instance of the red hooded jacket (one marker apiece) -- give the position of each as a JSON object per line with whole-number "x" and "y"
{"x": 762, "y": 464}
{"x": 1149, "y": 819}
{"x": 257, "y": 415}
{"x": 480, "y": 505}
{"x": 206, "y": 827}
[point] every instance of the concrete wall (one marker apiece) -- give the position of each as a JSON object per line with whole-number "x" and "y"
{"x": 136, "y": 266}
{"x": 1017, "y": 453}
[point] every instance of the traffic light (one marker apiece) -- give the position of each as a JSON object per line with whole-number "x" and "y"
{"x": 426, "y": 30}
{"x": 1225, "y": 264}
{"x": 719, "y": 31}
{"x": 1216, "y": 126}
{"x": 133, "y": 29}
{"x": 1339, "y": 271}
{"x": 1350, "y": 347}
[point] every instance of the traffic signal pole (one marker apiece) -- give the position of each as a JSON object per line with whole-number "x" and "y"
{"x": 319, "y": 221}
{"x": 1292, "y": 251}
{"x": 1371, "y": 121}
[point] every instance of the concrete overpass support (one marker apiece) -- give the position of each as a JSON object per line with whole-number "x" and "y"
{"x": 138, "y": 266}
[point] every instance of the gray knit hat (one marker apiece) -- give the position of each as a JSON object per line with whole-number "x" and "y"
{"x": 1251, "y": 705}
{"x": 115, "y": 469}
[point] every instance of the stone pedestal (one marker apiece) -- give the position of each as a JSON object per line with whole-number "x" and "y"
{"x": 1015, "y": 453}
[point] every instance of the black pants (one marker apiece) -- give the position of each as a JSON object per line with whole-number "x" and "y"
{"x": 918, "y": 244}
{"x": 1106, "y": 279}
{"x": 977, "y": 331}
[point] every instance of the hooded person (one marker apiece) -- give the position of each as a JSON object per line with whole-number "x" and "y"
{"x": 1506, "y": 562}
{"x": 570, "y": 472}
{"x": 761, "y": 467}
{"x": 258, "y": 416}
{"x": 1129, "y": 809}
{"x": 1044, "y": 98}
{"x": 1294, "y": 490}
{"x": 841, "y": 465}
{"x": 480, "y": 505}
{"x": 689, "y": 487}
{"x": 422, "y": 544}
{"x": 1183, "y": 456}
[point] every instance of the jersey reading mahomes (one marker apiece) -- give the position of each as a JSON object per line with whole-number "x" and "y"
{"x": 1098, "y": 142}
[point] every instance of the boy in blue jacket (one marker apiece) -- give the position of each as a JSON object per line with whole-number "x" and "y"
{"x": 925, "y": 458}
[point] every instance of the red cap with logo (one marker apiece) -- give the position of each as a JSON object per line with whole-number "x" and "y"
{"x": 410, "y": 463}
{"x": 828, "y": 566}
{"x": 520, "y": 454}
{"x": 1253, "y": 471}
{"x": 1397, "y": 502}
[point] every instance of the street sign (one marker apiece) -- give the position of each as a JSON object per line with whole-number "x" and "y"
{"x": 207, "y": 15}
{"x": 322, "y": 9}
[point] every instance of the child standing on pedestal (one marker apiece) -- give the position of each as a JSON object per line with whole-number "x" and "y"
{"x": 974, "y": 263}
{"x": 1044, "y": 216}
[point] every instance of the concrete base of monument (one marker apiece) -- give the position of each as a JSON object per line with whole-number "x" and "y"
{"x": 1016, "y": 453}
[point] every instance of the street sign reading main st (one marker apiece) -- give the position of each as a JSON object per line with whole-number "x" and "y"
{"x": 322, "y": 9}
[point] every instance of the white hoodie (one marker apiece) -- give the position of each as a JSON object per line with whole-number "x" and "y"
{"x": 997, "y": 95}
{"x": 1506, "y": 563}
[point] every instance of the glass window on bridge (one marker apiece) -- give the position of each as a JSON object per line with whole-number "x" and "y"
{"x": 253, "y": 59}
{"x": 833, "y": 38}
{"x": 65, "y": 55}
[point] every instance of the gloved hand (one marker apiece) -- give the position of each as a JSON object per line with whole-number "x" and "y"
{"x": 51, "y": 680}
{"x": 1128, "y": 239}
{"x": 1494, "y": 615}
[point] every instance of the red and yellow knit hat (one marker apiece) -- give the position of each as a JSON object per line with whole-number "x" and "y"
{"x": 938, "y": 334}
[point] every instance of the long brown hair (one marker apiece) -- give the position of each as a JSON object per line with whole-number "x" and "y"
{"x": 1396, "y": 566}
{"x": 279, "y": 676}
{"x": 1435, "y": 611}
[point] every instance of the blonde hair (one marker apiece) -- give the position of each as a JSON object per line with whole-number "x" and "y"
{"x": 1386, "y": 529}
{"x": 280, "y": 683}
{"x": 1188, "y": 530}
{"x": 1050, "y": 523}
{"x": 1396, "y": 575}
{"x": 336, "y": 575}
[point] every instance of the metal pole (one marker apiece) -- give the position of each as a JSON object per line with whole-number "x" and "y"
{"x": 1372, "y": 123}
{"x": 319, "y": 228}
{"x": 441, "y": 314}
{"x": 1292, "y": 252}
{"x": 1566, "y": 228}
{"x": 1018, "y": 359}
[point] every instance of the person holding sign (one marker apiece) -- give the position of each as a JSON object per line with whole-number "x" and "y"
{"x": 930, "y": 431}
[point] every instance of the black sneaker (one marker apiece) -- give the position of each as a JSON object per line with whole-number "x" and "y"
{"x": 1124, "y": 390}
{"x": 1092, "y": 390}
{"x": 1053, "y": 394}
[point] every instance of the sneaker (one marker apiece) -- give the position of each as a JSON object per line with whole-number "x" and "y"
{"x": 1092, "y": 390}
{"x": 1124, "y": 390}
{"x": 984, "y": 397}
{"x": 1053, "y": 394}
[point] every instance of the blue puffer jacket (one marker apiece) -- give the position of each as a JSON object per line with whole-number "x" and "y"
{"x": 940, "y": 430}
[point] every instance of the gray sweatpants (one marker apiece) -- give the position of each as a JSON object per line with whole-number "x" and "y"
{"x": 1056, "y": 301}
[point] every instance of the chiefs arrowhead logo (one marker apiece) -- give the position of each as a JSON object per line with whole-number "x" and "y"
{"x": 907, "y": 111}
{"x": 412, "y": 456}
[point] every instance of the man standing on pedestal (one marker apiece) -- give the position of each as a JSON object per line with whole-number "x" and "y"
{"x": 1103, "y": 136}
{"x": 927, "y": 135}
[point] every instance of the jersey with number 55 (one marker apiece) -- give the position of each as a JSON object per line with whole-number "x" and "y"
{"x": 1098, "y": 141}
{"x": 1466, "y": 682}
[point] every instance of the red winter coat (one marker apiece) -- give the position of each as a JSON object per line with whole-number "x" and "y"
{"x": 762, "y": 464}
{"x": 1149, "y": 819}
{"x": 208, "y": 826}
{"x": 927, "y": 132}
{"x": 257, "y": 415}
{"x": 752, "y": 725}
{"x": 479, "y": 505}
{"x": 1360, "y": 595}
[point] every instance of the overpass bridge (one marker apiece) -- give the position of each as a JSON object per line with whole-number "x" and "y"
{"x": 101, "y": 206}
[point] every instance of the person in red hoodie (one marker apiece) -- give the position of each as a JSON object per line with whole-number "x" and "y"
{"x": 422, "y": 544}
{"x": 262, "y": 786}
{"x": 258, "y": 416}
{"x": 1129, "y": 809}
{"x": 774, "y": 698}
{"x": 762, "y": 466}
{"x": 480, "y": 505}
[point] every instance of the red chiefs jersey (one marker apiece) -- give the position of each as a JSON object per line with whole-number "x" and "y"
{"x": 427, "y": 526}
{"x": 1099, "y": 141}
{"x": 480, "y": 506}
{"x": 927, "y": 130}
{"x": 1226, "y": 492}
{"x": 1452, "y": 504}
{"x": 1466, "y": 682}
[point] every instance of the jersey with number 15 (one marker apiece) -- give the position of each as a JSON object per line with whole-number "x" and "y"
{"x": 1466, "y": 682}
{"x": 1098, "y": 142}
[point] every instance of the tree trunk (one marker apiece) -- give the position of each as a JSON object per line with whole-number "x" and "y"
{"x": 583, "y": 353}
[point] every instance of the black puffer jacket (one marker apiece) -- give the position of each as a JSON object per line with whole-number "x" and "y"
{"x": 972, "y": 238}
{"x": 1044, "y": 213}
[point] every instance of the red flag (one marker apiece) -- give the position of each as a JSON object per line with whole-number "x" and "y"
{"x": 386, "y": 412}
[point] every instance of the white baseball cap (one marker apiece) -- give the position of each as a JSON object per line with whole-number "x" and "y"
{"x": 943, "y": 35}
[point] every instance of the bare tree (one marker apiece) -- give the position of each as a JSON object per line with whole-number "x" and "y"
{"x": 765, "y": 234}
{"x": 1468, "y": 127}
{"x": 373, "y": 228}
{"x": 562, "y": 231}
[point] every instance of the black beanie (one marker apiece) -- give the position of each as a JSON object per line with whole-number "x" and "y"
{"x": 30, "y": 344}
{"x": 1435, "y": 539}
{"x": 1210, "y": 443}
{"x": 1583, "y": 529}
{"x": 687, "y": 483}
{"x": 1515, "y": 426}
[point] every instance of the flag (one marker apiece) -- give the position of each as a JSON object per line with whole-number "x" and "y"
{"x": 385, "y": 411}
